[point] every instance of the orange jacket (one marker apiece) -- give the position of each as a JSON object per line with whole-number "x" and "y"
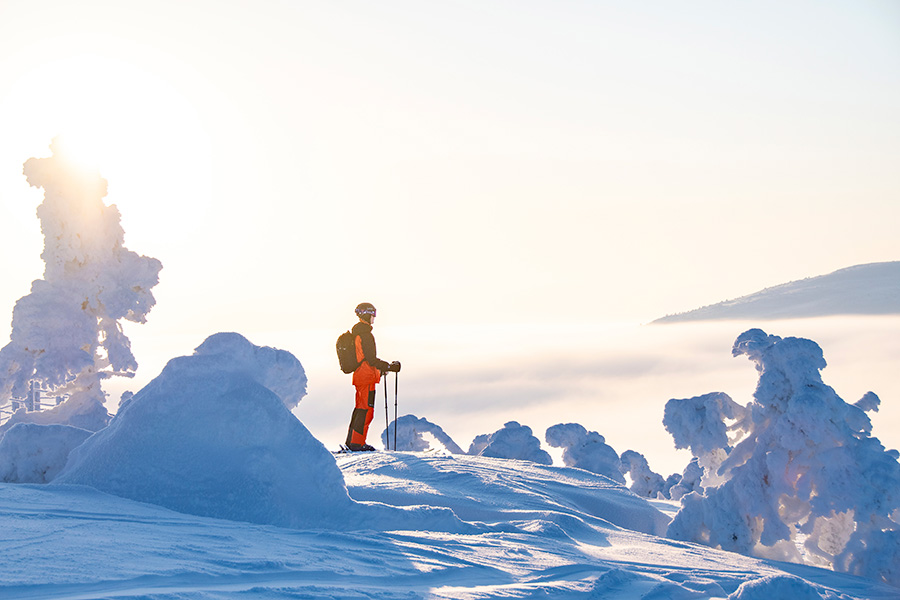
{"x": 370, "y": 367}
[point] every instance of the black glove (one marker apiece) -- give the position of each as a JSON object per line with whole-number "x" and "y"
{"x": 394, "y": 367}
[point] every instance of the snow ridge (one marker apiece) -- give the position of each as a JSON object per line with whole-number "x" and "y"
{"x": 871, "y": 289}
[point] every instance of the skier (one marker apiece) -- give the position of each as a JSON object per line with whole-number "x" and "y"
{"x": 365, "y": 378}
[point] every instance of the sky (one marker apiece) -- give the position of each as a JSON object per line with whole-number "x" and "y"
{"x": 457, "y": 164}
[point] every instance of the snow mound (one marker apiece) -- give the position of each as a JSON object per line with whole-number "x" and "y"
{"x": 32, "y": 453}
{"x": 419, "y": 435}
{"x": 212, "y": 436}
{"x": 776, "y": 586}
{"x": 513, "y": 441}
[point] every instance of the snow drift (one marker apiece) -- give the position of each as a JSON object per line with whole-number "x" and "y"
{"x": 212, "y": 436}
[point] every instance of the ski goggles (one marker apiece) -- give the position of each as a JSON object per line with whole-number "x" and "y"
{"x": 366, "y": 311}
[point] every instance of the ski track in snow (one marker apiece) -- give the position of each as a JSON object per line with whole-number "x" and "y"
{"x": 536, "y": 538}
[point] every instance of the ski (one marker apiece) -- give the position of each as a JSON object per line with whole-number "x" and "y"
{"x": 344, "y": 449}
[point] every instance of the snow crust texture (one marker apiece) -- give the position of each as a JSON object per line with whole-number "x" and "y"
{"x": 795, "y": 475}
{"x": 209, "y": 436}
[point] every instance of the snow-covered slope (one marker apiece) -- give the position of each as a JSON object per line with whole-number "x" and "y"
{"x": 206, "y": 486}
{"x": 534, "y": 532}
{"x": 872, "y": 289}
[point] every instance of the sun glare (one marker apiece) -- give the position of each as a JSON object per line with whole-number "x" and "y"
{"x": 82, "y": 150}
{"x": 143, "y": 135}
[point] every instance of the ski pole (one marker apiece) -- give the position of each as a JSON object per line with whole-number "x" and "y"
{"x": 396, "y": 375}
{"x": 387, "y": 427}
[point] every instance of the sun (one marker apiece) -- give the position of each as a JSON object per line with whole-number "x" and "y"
{"x": 135, "y": 126}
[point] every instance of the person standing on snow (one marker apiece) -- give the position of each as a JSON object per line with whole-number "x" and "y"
{"x": 365, "y": 377}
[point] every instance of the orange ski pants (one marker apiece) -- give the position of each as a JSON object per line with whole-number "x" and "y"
{"x": 363, "y": 413}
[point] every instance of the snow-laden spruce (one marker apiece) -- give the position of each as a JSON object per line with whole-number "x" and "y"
{"x": 644, "y": 482}
{"x": 585, "y": 450}
{"x": 798, "y": 464}
{"x": 66, "y": 334}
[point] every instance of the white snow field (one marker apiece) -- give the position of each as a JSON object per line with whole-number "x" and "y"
{"x": 529, "y": 532}
{"x": 213, "y": 489}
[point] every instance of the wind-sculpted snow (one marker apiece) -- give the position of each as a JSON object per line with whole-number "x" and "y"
{"x": 66, "y": 333}
{"x": 277, "y": 370}
{"x": 776, "y": 586}
{"x": 800, "y": 462}
{"x": 418, "y": 435}
{"x": 492, "y": 490}
{"x": 212, "y": 435}
{"x": 512, "y": 441}
{"x": 31, "y": 453}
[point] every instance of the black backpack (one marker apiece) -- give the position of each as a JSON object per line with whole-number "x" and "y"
{"x": 346, "y": 351}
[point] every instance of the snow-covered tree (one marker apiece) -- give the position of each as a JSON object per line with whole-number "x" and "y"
{"x": 512, "y": 441}
{"x": 678, "y": 486}
{"x": 800, "y": 466}
{"x": 585, "y": 449}
{"x": 419, "y": 435}
{"x": 66, "y": 334}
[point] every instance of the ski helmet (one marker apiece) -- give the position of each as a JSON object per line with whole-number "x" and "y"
{"x": 365, "y": 311}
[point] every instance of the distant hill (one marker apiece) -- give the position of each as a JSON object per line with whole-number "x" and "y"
{"x": 872, "y": 289}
